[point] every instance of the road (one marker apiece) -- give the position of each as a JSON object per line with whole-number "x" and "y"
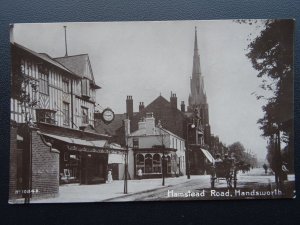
{"x": 254, "y": 184}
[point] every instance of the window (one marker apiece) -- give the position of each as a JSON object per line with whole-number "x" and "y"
{"x": 85, "y": 115}
{"x": 65, "y": 84}
{"x": 85, "y": 87}
{"x": 66, "y": 113}
{"x": 135, "y": 143}
{"x": 44, "y": 81}
{"x": 156, "y": 163}
{"x": 45, "y": 115}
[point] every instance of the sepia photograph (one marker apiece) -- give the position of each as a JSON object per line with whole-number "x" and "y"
{"x": 152, "y": 111}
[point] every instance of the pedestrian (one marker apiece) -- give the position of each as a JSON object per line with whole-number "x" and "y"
{"x": 109, "y": 177}
{"x": 284, "y": 171}
{"x": 265, "y": 168}
{"x": 140, "y": 174}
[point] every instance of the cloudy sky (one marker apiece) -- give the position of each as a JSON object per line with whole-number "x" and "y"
{"x": 146, "y": 59}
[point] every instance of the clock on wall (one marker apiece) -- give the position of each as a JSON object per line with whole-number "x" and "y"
{"x": 108, "y": 115}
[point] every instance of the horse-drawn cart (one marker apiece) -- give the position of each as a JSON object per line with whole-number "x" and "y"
{"x": 224, "y": 170}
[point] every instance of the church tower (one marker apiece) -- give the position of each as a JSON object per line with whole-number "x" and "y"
{"x": 197, "y": 97}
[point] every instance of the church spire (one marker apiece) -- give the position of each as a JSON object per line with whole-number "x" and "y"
{"x": 197, "y": 95}
{"x": 196, "y": 61}
{"x": 195, "y": 42}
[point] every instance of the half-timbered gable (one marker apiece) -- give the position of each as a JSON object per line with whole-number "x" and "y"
{"x": 59, "y": 91}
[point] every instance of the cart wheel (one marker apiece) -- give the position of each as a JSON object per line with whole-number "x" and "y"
{"x": 229, "y": 182}
{"x": 234, "y": 180}
{"x": 212, "y": 182}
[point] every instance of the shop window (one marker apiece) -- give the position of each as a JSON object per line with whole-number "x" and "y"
{"x": 66, "y": 113}
{"x": 45, "y": 116}
{"x": 156, "y": 163}
{"x": 148, "y": 163}
{"x": 140, "y": 162}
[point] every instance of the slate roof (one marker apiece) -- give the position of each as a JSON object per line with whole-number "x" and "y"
{"x": 45, "y": 57}
{"x": 75, "y": 63}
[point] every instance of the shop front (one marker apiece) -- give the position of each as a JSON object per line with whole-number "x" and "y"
{"x": 154, "y": 163}
{"x": 82, "y": 161}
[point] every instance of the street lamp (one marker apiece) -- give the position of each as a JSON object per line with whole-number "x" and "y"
{"x": 192, "y": 126}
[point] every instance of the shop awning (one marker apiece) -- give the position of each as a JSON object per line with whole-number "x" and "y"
{"x": 208, "y": 155}
{"x": 116, "y": 158}
{"x": 76, "y": 141}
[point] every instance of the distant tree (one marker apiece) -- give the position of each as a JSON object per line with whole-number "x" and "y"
{"x": 238, "y": 150}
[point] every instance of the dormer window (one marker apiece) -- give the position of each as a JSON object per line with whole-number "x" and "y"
{"x": 85, "y": 87}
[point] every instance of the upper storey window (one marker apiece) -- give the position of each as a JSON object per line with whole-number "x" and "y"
{"x": 85, "y": 87}
{"x": 65, "y": 84}
{"x": 44, "y": 81}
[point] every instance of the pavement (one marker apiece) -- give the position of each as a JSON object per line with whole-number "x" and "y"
{"x": 102, "y": 192}
{"x": 152, "y": 189}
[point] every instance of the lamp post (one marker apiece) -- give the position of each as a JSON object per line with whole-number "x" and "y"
{"x": 126, "y": 169}
{"x": 163, "y": 153}
{"x": 188, "y": 172}
{"x": 163, "y": 166}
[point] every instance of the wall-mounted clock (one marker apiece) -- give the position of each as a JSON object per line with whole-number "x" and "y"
{"x": 108, "y": 115}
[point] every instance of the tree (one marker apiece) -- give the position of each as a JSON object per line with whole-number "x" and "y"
{"x": 271, "y": 54}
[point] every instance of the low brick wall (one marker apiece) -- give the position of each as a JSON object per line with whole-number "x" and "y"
{"x": 13, "y": 164}
{"x": 45, "y": 167}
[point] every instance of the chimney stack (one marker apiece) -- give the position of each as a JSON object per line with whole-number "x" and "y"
{"x": 173, "y": 100}
{"x": 182, "y": 106}
{"x": 150, "y": 123}
{"x": 129, "y": 107}
{"x": 141, "y": 106}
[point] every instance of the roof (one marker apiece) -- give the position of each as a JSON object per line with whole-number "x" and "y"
{"x": 80, "y": 65}
{"x": 45, "y": 57}
{"x": 77, "y": 64}
{"x": 142, "y": 132}
{"x": 170, "y": 118}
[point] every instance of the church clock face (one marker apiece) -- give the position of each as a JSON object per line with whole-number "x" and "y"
{"x": 108, "y": 115}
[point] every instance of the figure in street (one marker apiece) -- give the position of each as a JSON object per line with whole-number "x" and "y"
{"x": 109, "y": 177}
{"x": 140, "y": 174}
{"x": 265, "y": 168}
